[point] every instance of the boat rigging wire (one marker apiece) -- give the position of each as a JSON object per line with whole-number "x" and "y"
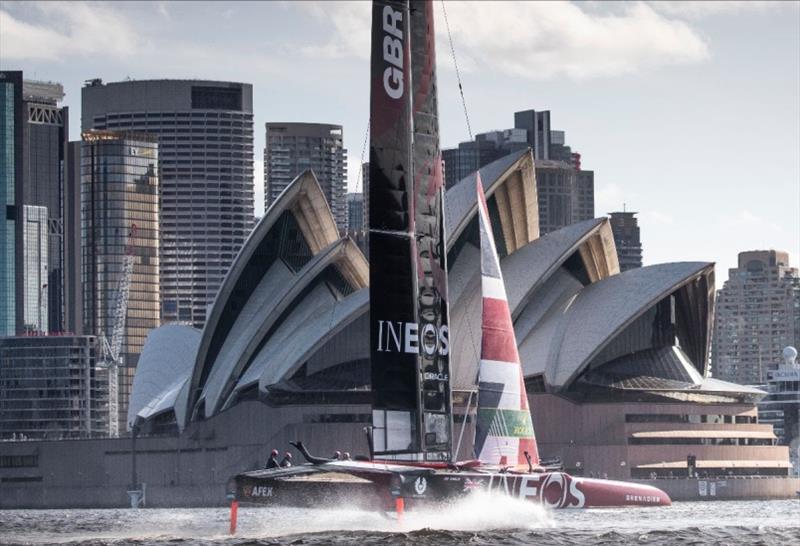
{"x": 469, "y": 129}
{"x": 359, "y": 184}
{"x": 458, "y": 73}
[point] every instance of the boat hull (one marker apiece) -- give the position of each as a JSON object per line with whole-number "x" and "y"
{"x": 425, "y": 487}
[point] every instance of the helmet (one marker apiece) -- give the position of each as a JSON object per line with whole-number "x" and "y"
{"x": 287, "y": 455}
{"x": 274, "y": 452}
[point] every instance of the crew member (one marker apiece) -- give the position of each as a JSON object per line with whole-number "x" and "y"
{"x": 272, "y": 462}
{"x": 287, "y": 460}
{"x": 346, "y": 455}
{"x": 337, "y": 456}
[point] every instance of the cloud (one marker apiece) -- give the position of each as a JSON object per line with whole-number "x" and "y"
{"x": 161, "y": 8}
{"x": 535, "y": 40}
{"x": 102, "y": 33}
{"x": 746, "y": 219}
{"x": 351, "y": 28}
{"x": 610, "y": 197}
{"x": 705, "y": 8}
{"x": 657, "y": 217}
{"x": 64, "y": 29}
{"x": 354, "y": 172}
{"x": 543, "y": 40}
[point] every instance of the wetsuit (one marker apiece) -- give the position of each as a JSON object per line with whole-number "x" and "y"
{"x": 272, "y": 462}
{"x": 286, "y": 462}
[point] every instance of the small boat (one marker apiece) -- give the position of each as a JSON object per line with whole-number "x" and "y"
{"x": 412, "y": 457}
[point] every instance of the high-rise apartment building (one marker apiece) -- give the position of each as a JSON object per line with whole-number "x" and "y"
{"x": 584, "y": 200}
{"x": 119, "y": 217}
{"x": 33, "y": 139}
{"x": 294, "y": 147}
{"x": 566, "y": 196}
{"x": 205, "y": 140}
{"x": 565, "y": 190}
{"x": 468, "y": 157}
{"x": 355, "y": 212}
{"x": 625, "y": 227}
{"x": 49, "y": 388}
{"x": 757, "y": 315}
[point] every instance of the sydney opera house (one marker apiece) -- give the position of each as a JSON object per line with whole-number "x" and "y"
{"x": 622, "y": 357}
{"x": 616, "y": 364}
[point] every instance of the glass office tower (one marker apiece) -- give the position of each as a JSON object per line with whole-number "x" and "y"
{"x": 120, "y": 216}
{"x": 10, "y": 141}
{"x": 205, "y": 136}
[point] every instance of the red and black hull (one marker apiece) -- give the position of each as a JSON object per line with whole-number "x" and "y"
{"x": 425, "y": 487}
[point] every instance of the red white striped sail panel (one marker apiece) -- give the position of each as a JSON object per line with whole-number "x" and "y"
{"x": 504, "y": 430}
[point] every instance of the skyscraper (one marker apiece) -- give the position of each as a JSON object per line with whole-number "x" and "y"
{"x": 584, "y": 198}
{"x": 355, "y": 212}
{"x": 44, "y": 149}
{"x": 205, "y": 136}
{"x": 294, "y": 147}
{"x": 470, "y": 156}
{"x": 565, "y": 190}
{"x": 35, "y": 262}
{"x": 33, "y": 139}
{"x": 49, "y": 388}
{"x": 10, "y": 188}
{"x": 73, "y": 287}
{"x": 537, "y": 127}
{"x": 757, "y": 315}
{"x": 566, "y": 195}
{"x": 120, "y": 216}
{"x": 625, "y": 227}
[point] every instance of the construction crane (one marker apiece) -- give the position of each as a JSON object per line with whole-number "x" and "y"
{"x": 112, "y": 345}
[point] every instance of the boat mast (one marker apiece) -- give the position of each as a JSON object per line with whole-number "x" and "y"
{"x": 409, "y": 336}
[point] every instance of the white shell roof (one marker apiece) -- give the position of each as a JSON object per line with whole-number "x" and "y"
{"x": 568, "y": 339}
{"x": 461, "y": 200}
{"x": 163, "y": 371}
{"x": 277, "y": 299}
{"x": 527, "y": 268}
{"x": 318, "y": 318}
{"x": 524, "y": 271}
{"x": 260, "y": 307}
{"x": 304, "y": 198}
{"x": 560, "y": 324}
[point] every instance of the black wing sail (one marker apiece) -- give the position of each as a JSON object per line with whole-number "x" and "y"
{"x": 408, "y": 290}
{"x": 431, "y": 249}
{"x": 392, "y": 281}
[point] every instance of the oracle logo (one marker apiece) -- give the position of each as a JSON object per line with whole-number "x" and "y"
{"x": 393, "y": 52}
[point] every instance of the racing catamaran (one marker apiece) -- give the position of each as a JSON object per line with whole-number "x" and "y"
{"x": 412, "y": 460}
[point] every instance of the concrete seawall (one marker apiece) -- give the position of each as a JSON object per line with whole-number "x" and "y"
{"x": 160, "y": 496}
{"x": 193, "y": 469}
{"x": 728, "y": 489}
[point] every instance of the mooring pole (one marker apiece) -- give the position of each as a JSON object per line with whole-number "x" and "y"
{"x": 134, "y": 477}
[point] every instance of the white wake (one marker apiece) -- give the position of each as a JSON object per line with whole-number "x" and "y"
{"x": 479, "y": 511}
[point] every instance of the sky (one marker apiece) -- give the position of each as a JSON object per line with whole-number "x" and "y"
{"x": 688, "y": 112}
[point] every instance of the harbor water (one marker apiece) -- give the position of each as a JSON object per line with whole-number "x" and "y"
{"x": 478, "y": 520}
